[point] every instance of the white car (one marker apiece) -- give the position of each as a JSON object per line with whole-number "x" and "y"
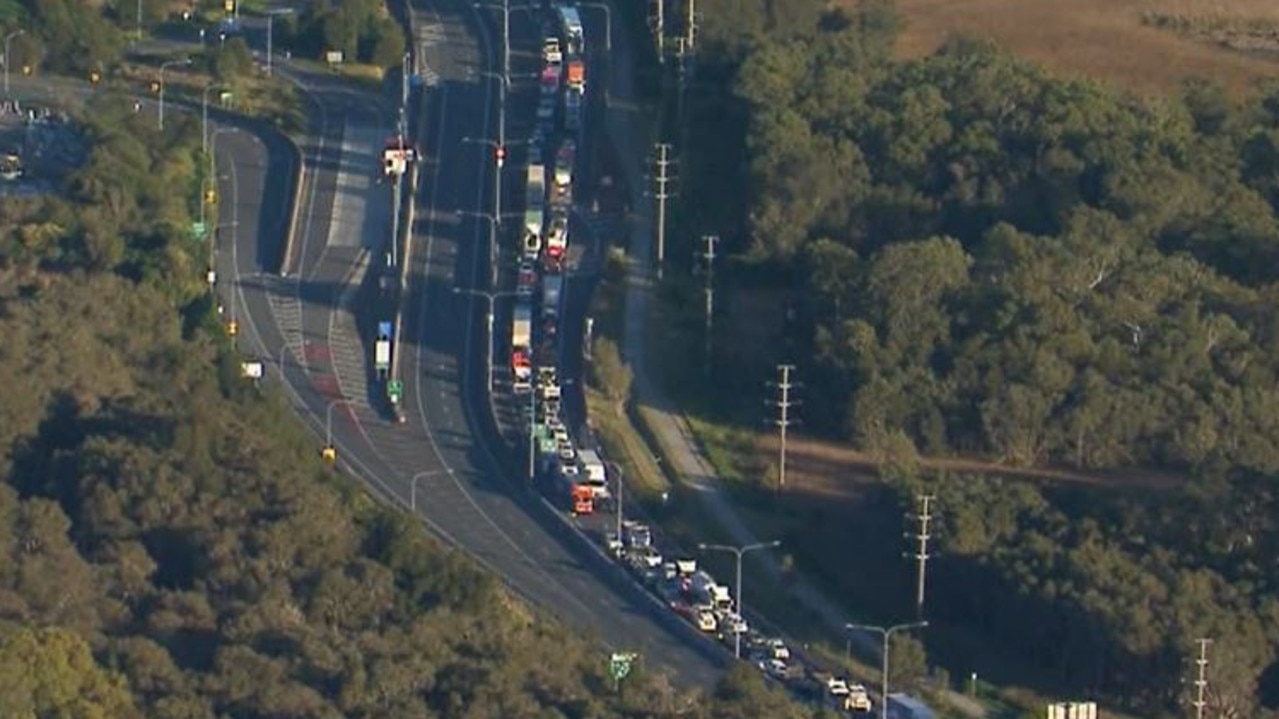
{"x": 613, "y": 544}
{"x": 774, "y": 668}
{"x": 733, "y": 624}
{"x": 778, "y": 649}
{"x": 551, "y": 52}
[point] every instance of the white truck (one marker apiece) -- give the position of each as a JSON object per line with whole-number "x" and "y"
{"x": 571, "y": 28}
{"x": 521, "y": 337}
{"x": 593, "y": 472}
{"x": 534, "y": 208}
{"x": 552, "y": 290}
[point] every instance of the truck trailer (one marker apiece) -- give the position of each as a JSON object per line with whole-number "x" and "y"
{"x": 521, "y": 340}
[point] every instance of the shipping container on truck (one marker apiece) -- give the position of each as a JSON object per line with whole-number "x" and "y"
{"x": 382, "y": 349}
{"x": 571, "y": 30}
{"x": 521, "y": 339}
{"x": 593, "y": 472}
{"x": 535, "y": 199}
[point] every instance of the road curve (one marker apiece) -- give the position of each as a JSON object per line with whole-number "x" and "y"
{"x": 312, "y": 327}
{"x": 493, "y": 515}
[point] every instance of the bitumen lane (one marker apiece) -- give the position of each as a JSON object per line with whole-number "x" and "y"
{"x": 494, "y": 516}
{"x": 308, "y": 325}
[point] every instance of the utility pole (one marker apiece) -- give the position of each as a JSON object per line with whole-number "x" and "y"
{"x": 662, "y": 194}
{"x": 682, "y": 53}
{"x": 659, "y": 28}
{"x": 921, "y": 555}
{"x": 783, "y": 421}
{"x": 1201, "y": 684}
{"x": 708, "y": 255}
{"x": 691, "y": 30}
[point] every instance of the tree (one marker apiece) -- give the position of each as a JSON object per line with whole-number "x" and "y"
{"x": 51, "y": 673}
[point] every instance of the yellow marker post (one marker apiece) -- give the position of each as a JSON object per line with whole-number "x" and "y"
{"x": 233, "y": 328}
{"x": 329, "y": 454}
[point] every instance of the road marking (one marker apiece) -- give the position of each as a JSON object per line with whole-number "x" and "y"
{"x": 358, "y": 161}
{"x": 318, "y": 352}
{"x": 284, "y": 301}
{"x": 326, "y": 384}
{"x": 430, "y": 34}
{"x": 349, "y": 358}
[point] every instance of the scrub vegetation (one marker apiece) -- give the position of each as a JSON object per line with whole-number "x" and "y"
{"x": 975, "y": 263}
{"x": 171, "y": 546}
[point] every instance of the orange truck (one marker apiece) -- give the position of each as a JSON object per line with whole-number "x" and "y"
{"x": 575, "y": 74}
{"x": 583, "y": 498}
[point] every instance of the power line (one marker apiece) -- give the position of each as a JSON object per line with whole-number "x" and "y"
{"x": 921, "y": 555}
{"x": 683, "y": 53}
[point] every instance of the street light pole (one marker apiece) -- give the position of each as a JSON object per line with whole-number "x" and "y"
{"x": 328, "y": 419}
{"x": 490, "y": 298}
{"x": 7, "y": 38}
{"x": 532, "y": 424}
{"x": 204, "y": 115}
{"x": 170, "y": 63}
{"x": 887, "y": 634}
{"x": 270, "y": 34}
{"x": 617, "y": 471}
{"x": 738, "y": 552}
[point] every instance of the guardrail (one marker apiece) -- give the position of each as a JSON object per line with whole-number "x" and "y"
{"x": 290, "y": 235}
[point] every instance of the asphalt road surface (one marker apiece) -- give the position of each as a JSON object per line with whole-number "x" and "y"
{"x": 314, "y": 325}
{"x": 494, "y": 516}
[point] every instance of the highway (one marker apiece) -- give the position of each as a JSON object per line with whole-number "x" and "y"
{"x": 314, "y": 327}
{"x": 493, "y": 515}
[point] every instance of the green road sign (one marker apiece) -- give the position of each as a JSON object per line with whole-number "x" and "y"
{"x": 619, "y": 665}
{"x": 395, "y": 390}
{"x": 199, "y": 230}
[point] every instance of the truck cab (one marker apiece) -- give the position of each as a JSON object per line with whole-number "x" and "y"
{"x": 582, "y": 499}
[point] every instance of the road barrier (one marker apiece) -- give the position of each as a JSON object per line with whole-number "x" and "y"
{"x": 291, "y": 234}
{"x": 405, "y": 239}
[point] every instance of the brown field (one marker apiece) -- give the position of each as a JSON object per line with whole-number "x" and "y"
{"x": 830, "y": 469}
{"x": 1234, "y": 42}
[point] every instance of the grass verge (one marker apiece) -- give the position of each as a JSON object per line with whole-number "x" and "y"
{"x": 1115, "y": 41}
